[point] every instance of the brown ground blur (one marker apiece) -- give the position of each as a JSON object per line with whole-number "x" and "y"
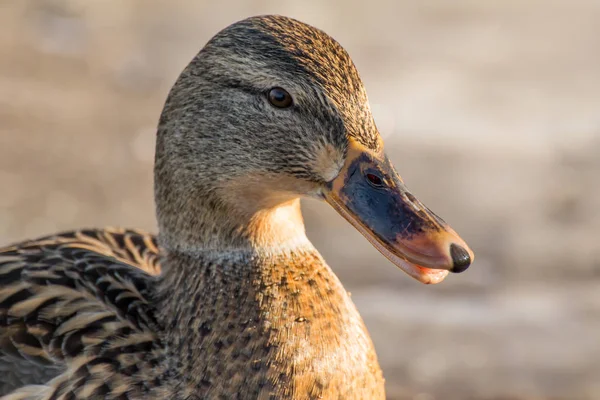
{"x": 491, "y": 112}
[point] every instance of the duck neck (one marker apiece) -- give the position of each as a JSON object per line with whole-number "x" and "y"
{"x": 237, "y": 221}
{"x": 225, "y": 313}
{"x": 245, "y": 289}
{"x": 234, "y": 241}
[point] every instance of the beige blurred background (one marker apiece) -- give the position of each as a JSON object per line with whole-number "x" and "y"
{"x": 490, "y": 111}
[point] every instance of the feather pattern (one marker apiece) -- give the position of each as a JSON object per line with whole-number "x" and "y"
{"x": 76, "y": 303}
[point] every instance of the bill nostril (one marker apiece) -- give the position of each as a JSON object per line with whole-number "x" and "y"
{"x": 460, "y": 258}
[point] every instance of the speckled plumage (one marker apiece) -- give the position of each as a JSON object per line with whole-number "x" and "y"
{"x": 244, "y": 307}
{"x": 71, "y": 305}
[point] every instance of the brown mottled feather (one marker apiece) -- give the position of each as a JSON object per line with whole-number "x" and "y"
{"x": 73, "y": 294}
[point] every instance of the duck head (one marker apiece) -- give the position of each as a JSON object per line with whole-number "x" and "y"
{"x": 269, "y": 111}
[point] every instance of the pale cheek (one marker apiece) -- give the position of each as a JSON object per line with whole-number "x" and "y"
{"x": 328, "y": 162}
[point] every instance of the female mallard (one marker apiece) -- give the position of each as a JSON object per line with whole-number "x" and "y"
{"x": 245, "y": 307}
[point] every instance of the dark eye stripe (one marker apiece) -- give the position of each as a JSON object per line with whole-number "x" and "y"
{"x": 279, "y": 97}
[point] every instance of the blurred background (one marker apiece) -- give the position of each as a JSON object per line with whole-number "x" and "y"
{"x": 490, "y": 111}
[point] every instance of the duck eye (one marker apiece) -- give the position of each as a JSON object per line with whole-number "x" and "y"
{"x": 280, "y": 98}
{"x": 374, "y": 180}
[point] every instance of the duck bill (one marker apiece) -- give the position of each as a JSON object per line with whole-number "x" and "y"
{"x": 405, "y": 231}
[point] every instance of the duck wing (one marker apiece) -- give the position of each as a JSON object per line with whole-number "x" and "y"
{"x": 72, "y": 301}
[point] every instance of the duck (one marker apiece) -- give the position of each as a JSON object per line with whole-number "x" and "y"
{"x": 230, "y": 300}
